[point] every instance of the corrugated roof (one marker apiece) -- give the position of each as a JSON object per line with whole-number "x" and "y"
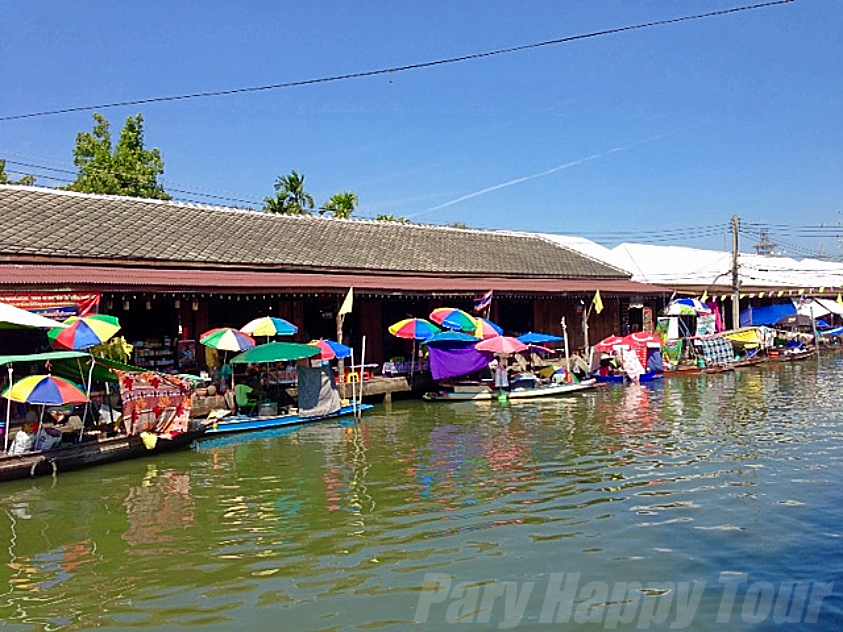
{"x": 36, "y": 222}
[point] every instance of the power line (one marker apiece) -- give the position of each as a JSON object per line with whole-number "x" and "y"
{"x": 397, "y": 69}
{"x": 131, "y": 176}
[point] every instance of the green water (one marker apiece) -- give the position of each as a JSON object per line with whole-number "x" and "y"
{"x": 336, "y": 527}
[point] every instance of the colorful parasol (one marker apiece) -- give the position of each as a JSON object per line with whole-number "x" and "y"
{"x": 487, "y": 329}
{"x": 413, "y": 329}
{"x": 46, "y": 390}
{"x": 535, "y": 338}
{"x": 269, "y": 326}
{"x": 84, "y": 332}
{"x": 501, "y": 345}
{"x": 331, "y": 350}
{"x": 227, "y": 339}
{"x": 453, "y": 318}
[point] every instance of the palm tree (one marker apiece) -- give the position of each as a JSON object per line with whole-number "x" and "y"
{"x": 342, "y": 205}
{"x": 290, "y": 196}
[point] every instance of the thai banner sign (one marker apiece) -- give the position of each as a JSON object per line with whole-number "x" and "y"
{"x": 153, "y": 402}
{"x": 56, "y": 305}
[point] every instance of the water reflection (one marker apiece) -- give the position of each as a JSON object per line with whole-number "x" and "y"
{"x": 335, "y": 525}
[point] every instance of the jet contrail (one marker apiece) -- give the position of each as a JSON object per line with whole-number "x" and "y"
{"x": 533, "y": 176}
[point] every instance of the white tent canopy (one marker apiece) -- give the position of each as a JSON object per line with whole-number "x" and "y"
{"x": 16, "y": 317}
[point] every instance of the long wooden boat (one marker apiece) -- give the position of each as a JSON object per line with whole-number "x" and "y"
{"x": 246, "y": 423}
{"x": 740, "y": 364}
{"x": 88, "y": 454}
{"x": 485, "y": 393}
{"x": 621, "y": 379}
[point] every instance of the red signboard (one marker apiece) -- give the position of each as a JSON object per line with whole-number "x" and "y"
{"x": 57, "y": 306}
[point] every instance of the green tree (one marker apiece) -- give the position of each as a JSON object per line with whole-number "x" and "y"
{"x": 342, "y": 205}
{"x": 388, "y": 217}
{"x": 290, "y": 196}
{"x": 127, "y": 169}
{"x": 4, "y": 178}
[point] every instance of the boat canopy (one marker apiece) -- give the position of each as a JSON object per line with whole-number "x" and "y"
{"x": 49, "y": 356}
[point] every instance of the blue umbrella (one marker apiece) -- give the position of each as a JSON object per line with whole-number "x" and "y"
{"x": 534, "y": 338}
{"x": 448, "y": 337}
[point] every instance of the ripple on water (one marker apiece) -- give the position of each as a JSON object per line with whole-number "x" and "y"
{"x": 336, "y": 526}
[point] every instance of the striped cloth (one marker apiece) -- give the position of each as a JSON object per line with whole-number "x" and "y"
{"x": 716, "y": 351}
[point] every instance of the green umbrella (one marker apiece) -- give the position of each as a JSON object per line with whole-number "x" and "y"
{"x": 276, "y": 352}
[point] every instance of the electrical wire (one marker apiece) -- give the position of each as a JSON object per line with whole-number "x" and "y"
{"x": 396, "y": 69}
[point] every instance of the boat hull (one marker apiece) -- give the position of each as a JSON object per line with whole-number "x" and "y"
{"x": 246, "y": 424}
{"x": 620, "y": 379}
{"x": 527, "y": 393}
{"x": 88, "y": 454}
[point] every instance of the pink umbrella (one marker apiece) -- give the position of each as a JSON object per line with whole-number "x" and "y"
{"x": 608, "y": 345}
{"x": 643, "y": 338}
{"x": 502, "y": 345}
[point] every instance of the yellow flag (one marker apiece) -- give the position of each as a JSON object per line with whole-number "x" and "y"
{"x": 822, "y": 290}
{"x": 780, "y": 293}
{"x": 704, "y": 296}
{"x": 839, "y": 298}
{"x": 348, "y": 303}
{"x": 761, "y": 294}
{"x": 597, "y": 301}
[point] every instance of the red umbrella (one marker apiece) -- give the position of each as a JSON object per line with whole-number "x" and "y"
{"x": 607, "y": 345}
{"x": 642, "y": 338}
{"x": 502, "y": 345}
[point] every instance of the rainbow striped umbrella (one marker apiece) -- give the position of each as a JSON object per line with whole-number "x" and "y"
{"x": 227, "y": 339}
{"x": 269, "y": 326}
{"x": 487, "y": 329}
{"x": 331, "y": 350}
{"x": 453, "y": 318}
{"x": 46, "y": 390}
{"x": 84, "y": 332}
{"x": 413, "y": 329}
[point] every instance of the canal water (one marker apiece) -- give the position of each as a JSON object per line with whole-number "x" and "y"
{"x": 703, "y": 503}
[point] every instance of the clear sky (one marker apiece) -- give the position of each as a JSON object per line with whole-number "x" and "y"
{"x": 676, "y": 126}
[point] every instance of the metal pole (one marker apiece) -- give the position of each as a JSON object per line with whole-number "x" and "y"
{"x": 814, "y": 327}
{"x": 88, "y": 395}
{"x": 8, "y": 412}
{"x": 736, "y": 281}
{"x": 353, "y": 388}
{"x": 362, "y": 363}
{"x": 585, "y": 314}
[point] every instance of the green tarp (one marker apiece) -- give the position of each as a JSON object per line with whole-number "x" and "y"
{"x": 276, "y": 352}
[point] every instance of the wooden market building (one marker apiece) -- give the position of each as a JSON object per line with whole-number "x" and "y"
{"x": 171, "y": 270}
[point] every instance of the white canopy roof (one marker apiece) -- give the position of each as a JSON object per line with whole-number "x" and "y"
{"x": 16, "y": 317}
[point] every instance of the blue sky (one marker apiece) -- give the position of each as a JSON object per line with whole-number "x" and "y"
{"x": 681, "y": 125}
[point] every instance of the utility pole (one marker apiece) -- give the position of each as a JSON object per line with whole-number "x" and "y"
{"x": 736, "y": 281}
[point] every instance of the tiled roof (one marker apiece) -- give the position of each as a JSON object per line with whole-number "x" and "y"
{"x": 73, "y": 226}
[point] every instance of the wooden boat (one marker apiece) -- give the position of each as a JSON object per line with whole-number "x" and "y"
{"x": 486, "y": 393}
{"x": 749, "y": 362}
{"x": 245, "y": 423}
{"x": 683, "y": 371}
{"x": 620, "y": 379}
{"x": 89, "y": 454}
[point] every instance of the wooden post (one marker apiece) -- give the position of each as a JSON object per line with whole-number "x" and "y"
{"x": 564, "y": 324}
{"x": 340, "y": 362}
